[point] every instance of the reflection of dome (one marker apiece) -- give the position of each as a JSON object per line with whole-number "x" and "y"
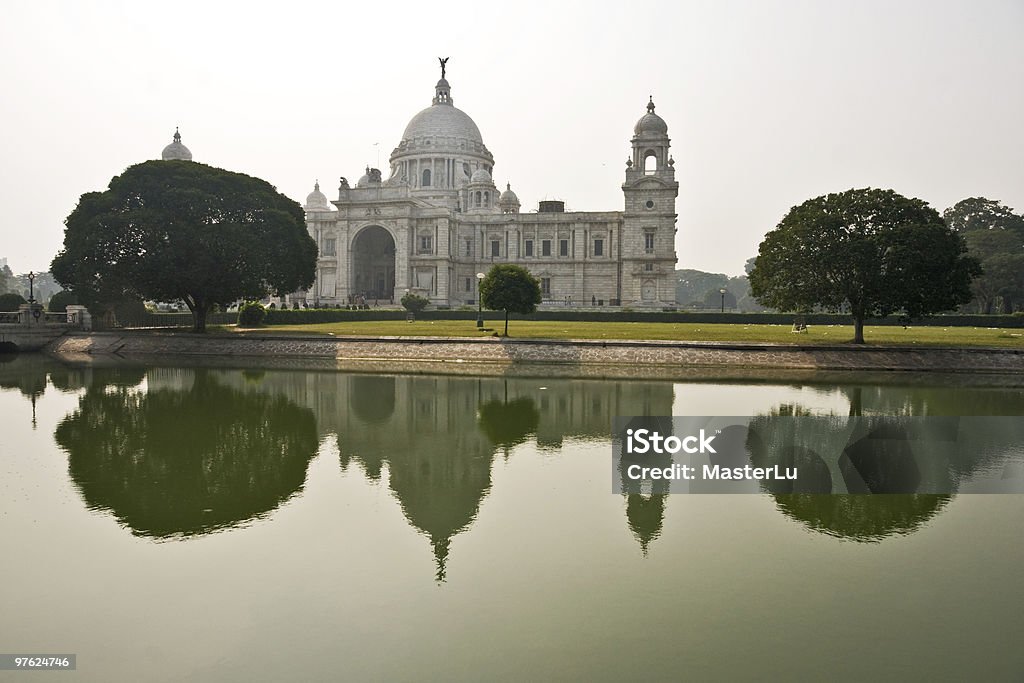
{"x": 651, "y": 123}
{"x": 481, "y": 176}
{"x": 317, "y": 200}
{"x": 176, "y": 151}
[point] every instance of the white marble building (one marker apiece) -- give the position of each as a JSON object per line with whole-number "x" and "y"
{"x": 439, "y": 219}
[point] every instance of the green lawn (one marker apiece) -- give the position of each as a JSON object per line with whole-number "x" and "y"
{"x": 544, "y": 329}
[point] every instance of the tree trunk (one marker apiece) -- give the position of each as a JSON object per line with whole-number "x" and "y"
{"x": 506, "y": 322}
{"x": 858, "y": 329}
{"x": 199, "y": 319}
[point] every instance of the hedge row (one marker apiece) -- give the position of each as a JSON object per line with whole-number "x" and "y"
{"x": 331, "y": 315}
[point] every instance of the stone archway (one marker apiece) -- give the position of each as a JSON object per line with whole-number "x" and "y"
{"x": 373, "y": 264}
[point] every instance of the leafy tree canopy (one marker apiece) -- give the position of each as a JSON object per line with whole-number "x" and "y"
{"x": 868, "y": 252}
{"x": 979, "y": 213}
{"x": 414, "y": 303}
{"x": 511, "y": 289}
{"x": 995, "y": 236}
{"x": 180, "y": 230}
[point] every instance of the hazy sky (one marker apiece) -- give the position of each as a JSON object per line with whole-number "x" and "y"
{"x": 767, "y": 103}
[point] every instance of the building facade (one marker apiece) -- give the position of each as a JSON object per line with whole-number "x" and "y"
{"x": 439, "y": 220}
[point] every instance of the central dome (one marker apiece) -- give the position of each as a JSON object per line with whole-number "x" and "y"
{"x": 444, "y": 121}
{"x": 440, "y": 149}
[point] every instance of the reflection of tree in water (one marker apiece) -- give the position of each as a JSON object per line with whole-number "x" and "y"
{"x": 876, "y": 462}
{"x": 509, "y": 423}
{"x": 169, "y": 463}
{"x": 373, "y": 397}
{"x": 933, "y": 400}
{"x": 862, "y": 517}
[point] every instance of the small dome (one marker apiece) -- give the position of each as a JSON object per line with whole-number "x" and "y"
{"x": 371, "y": 177}
{"x": 651, "y": 122}
{"x": 480, "y": 176}
{"x": 176, "y": 151}
{"x": 317, "y": 200}
{"x": 508, "y": 196}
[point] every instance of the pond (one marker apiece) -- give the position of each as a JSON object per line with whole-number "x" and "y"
{"x": 244, "y": 523}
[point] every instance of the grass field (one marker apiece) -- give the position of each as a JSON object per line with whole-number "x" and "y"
{"x": 544, "y": 329}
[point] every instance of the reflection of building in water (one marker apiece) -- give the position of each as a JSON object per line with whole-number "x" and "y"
{"x": 438, "y": 435}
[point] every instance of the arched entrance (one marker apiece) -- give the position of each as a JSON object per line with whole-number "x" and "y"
{"x": 373, "y": 264}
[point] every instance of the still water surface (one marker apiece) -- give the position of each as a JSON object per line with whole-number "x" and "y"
{"x": 177, "y": 523}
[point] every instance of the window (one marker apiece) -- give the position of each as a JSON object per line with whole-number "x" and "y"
{"x": 495, "y": 248}
{"x": 649, "y": 204}
{"x": 469, "y": 247}
{"x": 545, "y": 286}
{"x": 545, "y": 248}
{"x": 598, "y": 247}
{"x": 426, "y": 244}
{"x": 650, "y": 162}
{"x": 563, "y": 247}
{"x": 329, "y": 246}
{"x": 648, "y": 242}
{"x": 529, "y": 247}
{"x": 426, "y": 177}
{"x": 649, "y": 267}
{"x": 469, "y": 285}
{"x": 478, "y": 195}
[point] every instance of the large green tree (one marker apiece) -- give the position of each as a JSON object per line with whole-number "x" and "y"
{"x": 180, "y": 230}
{"x": 866, "y": 252}
{"x": 995, "y": 236}
{"x": 511, "y": 289}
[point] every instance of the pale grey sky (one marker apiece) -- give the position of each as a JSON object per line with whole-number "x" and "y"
{"x": 768, "y": 103}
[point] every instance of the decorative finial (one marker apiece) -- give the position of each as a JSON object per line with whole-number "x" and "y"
{"x": 650, "y": 105}
{"x": 316, "y": 185}
{"x": 177, "y": 135}
{"x": 443, "y": 63}
{"x": 629, "y": 163}
{"x": 508, "y": 186}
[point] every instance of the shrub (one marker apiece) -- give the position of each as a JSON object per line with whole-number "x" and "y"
{"x": 414, "y": 303}
{"x": 251, "y": 314}
{"x": 59, "y": 302}
{"x": 10, "y": 301}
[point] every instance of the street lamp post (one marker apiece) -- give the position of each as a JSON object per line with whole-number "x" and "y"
{"x": 31, "y": 287}
{"x": 479, "y": 303}
{"x": 723, "y": 299}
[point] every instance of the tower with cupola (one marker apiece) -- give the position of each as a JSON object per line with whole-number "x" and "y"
{"x": 649, "y": 221}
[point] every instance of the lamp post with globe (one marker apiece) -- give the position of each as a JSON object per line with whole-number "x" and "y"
{"x": 479, "y": 303}
{"x": 723, "y": 299}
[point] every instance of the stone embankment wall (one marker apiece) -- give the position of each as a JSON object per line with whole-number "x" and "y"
{"x": 490, "y": 355}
